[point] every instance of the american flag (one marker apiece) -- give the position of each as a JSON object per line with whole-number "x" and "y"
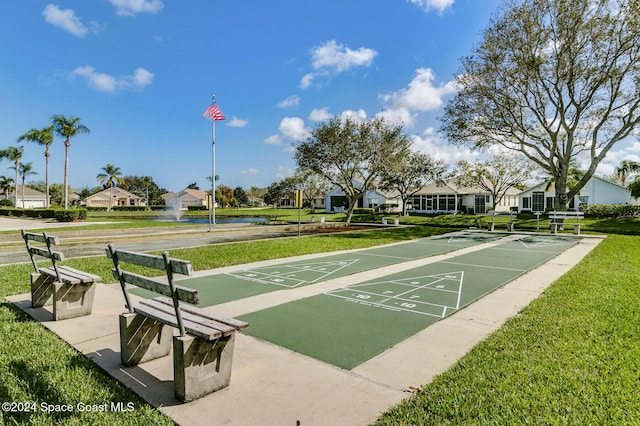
{"x": 213, "y": 113}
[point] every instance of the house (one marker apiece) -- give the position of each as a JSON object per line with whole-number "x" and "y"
{"x": 335, "y": 200}
{"x": 451, "y": 198}
{"x": 541, "y": 197}
{"x": 110, "y": 197}
{"x": 433, "y": 198}
{"x": 32, "y": 198}
{"x": 185, "y": 198}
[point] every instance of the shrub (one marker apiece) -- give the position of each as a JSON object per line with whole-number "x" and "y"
{"x": 196, "y": 208}
{"x": 68, "y": 215}
{"x": 129, "y": 208}
{"x": 6, "y": 203}
{"x": 612, "y": 211}
{"x": 362, "y": 211}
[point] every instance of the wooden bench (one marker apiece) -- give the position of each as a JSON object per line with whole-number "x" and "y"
{"x": 558, "y": 220}
{"x": 70, "y": 291}
{"x": 203, "y": 346}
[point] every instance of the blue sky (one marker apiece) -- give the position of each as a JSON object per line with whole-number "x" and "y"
{"x": 139, "y": 74}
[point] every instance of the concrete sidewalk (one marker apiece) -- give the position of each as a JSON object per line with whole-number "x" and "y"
{"x": 271, "y": 385}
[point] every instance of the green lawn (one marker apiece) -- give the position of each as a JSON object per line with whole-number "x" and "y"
{"x": 571, "y": 357}
{"x": 39, "y": 367}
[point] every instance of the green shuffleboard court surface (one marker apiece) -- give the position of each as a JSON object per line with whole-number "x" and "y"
{"x": 221, "y": 288}
{"x": 348, "y": 326}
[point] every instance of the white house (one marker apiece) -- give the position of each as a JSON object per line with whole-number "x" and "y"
{"x": 541, "y": 197}
{"x": 335, "y": 200}
{"x": 32, "y": 198}
{"x": 185, "y": 198}
{"x": 450, "y": 198}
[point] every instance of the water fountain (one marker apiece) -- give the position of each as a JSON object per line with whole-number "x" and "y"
{"x": 174, "y": 212}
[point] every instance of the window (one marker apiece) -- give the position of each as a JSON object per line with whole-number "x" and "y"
{"x": 526, "y": 202}
{"x": 537, "y": 201}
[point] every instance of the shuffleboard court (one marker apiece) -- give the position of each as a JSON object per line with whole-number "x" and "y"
{"x": 222, "y": 288}
{"x": 348, "y": 326}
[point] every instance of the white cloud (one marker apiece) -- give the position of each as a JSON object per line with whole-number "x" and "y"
{"x": 430, "y": 143}
{"x": 249, "y": 172}
{"x": 427, "y": 5}
{"x": 65, "y": 19}
{"x": 340, "y": 58}
{"x": 282, "y": 173}
{"x": 237, "y": 122}
{"x": 359, "y": 115}
{"x": 625, "y": 151}
{"x": 273, "y": 140}
{"x": 132, "y": 7}
{"x": 421, "y": 95}
{"x": 320, "y": 114}
{"x": 334, "y": 58}
{"x": 293, "y": 100}
{"x": 108, "y": 83}
{"x": 293, "y": 128}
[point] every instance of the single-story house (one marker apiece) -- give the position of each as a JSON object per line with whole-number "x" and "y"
{"x": 185, "y": 198}
{"x": 110, "y": 197}
{"x": 335, "y": 200}
{"x": 541, "y": 197}
{"x": 451, "y": 198}
{"x": 32, "y": 198}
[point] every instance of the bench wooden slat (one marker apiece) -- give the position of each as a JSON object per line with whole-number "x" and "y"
{"x": 45, "y": 253}
{"x": 40, "y": 238}
{"x": 169, "y": 319}
{"x": 222, "y": 323}
{"x": 236, "y": 324}
{"x": 85, "y": 277}
{"x": 182, "y": 267}
{"x": 184, "y": 293}
{"x": 200, "y": 317}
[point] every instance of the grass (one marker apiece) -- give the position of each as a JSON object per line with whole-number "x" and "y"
{"x": 38, "y": 367}
{"x": 571, "y": 357}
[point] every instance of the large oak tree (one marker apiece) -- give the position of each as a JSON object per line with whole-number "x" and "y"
{"x": 352, "y": 154}
{"x": 554, "y": 80}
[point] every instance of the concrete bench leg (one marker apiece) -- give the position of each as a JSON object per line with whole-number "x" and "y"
{"x": 68, "y": 300}
{"x": 554, "y": 228}
{"x": 490, "y": 226}
{"x": 510, "y": 227}
{"x": 41, "y": 290}
{"x": 201, "y": 367}
{"x": 143, "y": 339}
{"x": 72, "y": 300}
{"x": 576, "y": 229}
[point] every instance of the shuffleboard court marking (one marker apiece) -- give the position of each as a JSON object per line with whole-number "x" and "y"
{"x": 287, "y": 275}
{"x": 407, "y": 294}
{"x": 484, "y": 266}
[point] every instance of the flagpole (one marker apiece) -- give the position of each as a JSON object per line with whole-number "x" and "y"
{"x": 212, "y": 216}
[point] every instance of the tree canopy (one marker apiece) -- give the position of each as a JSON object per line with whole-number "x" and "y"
{"x": 352, "y": 154}
{"x": 554, "y": 80}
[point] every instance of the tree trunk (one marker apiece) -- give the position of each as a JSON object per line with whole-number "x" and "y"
{"x": 66, "y": 173}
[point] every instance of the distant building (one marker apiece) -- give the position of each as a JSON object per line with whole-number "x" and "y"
{"x": 542, "y": 196}
{"x": 111, "y": 197}
{"x": 32, "y": 198}
{"x": 185, "y": 198}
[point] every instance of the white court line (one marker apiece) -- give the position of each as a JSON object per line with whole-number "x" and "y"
{"x": 459, "y": 291}
{"x": 412, "y": 290}
{"x": 483, "y": 266}
{"x": 391, "y": 257}
{"x": 381, "y": 306}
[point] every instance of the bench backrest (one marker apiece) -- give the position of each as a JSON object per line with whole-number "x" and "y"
{"x": 46, "y": 251}
{"x": 163, "y": 263}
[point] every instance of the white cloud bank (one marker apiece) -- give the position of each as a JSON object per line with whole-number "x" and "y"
{"x": 108, "y": 83}
{"x": 427, "y": 5}
{"x": 67, "y": 20}
{"x": 334, "y": 58}
{"x": 133, "y": 7}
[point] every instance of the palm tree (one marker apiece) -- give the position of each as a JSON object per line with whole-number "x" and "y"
{"x": 6, "y": 185}
{"x": 67, "y": 128}
{"x": 44, "y": 137}
{"x": 25, "y": 169}
{"x": 634, "y": 187}
{"x": 111, "y": 176}
{"x": 626, "y": 168}
{"x": 13, "y": 154}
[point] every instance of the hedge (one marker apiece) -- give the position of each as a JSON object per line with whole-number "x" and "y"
{"x": 600, "y": 211}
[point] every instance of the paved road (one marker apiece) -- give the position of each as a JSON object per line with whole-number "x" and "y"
{"x": 75, "y": 243}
